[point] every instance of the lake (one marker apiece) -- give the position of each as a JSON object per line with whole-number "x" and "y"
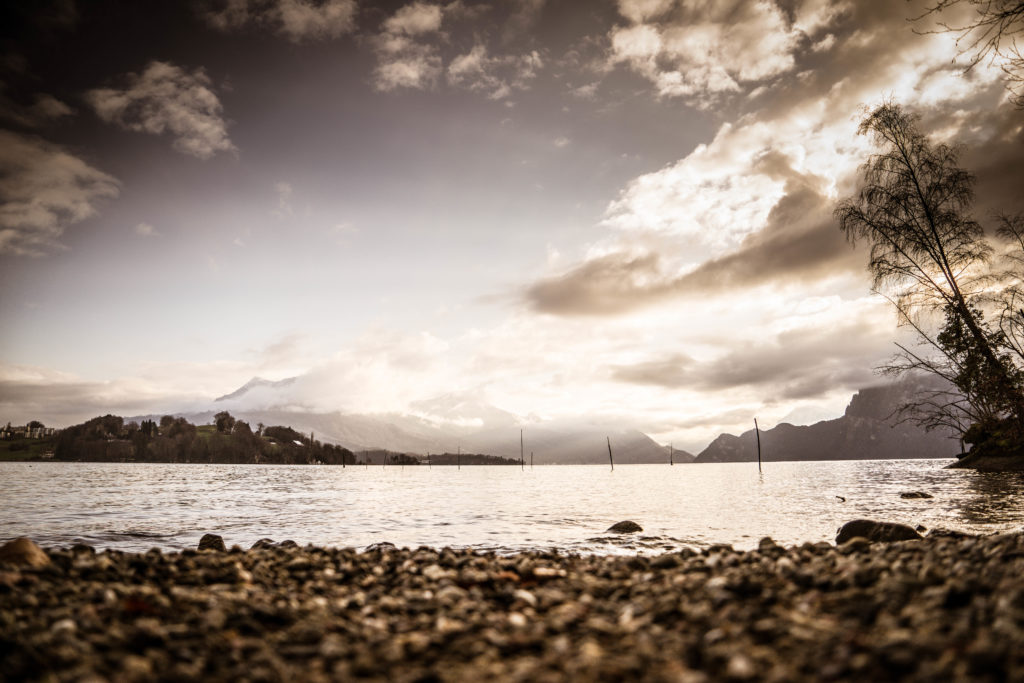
{"x": 135, "y": 507}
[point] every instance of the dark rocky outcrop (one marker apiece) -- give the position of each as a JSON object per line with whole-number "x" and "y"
{"x": 916, "y": 494}
{"x": 625, "y": 527}
{"x": 867, "y": 431}
{"x": 876, "y": 531}
{"x": 212, "y": 542}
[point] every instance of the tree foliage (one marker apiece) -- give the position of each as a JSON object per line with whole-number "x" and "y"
{"x": 931, "y": 259}
{"x": 107, "y": 438}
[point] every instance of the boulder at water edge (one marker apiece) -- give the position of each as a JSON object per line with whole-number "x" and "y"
{"x": 212, "y": 542}
{"x": 916, "y": 494}
{"x": 625, "y": 527}
{"x": 22, "y": 551}
{"x": 876, "y": 531}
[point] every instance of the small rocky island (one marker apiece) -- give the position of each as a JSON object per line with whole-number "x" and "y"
{"x": 945, "y": 607}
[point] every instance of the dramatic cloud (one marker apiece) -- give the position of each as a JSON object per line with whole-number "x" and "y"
{"x": 754, "y": 205}
{"x": 297, "y": 20}
{"x": 43, "y": 189}
{"x": 167, "y": 99}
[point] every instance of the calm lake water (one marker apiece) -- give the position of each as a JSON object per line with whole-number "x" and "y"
{"x": 139, "y": 506}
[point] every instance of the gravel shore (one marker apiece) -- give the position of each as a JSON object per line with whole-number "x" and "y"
{"x": 943, "y": 608}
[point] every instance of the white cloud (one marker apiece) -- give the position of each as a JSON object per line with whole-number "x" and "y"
{"x": 297, "y": 20}
{"x": 146, "y": 230}
{"x": 562, "y": 141}
{"x": 495, "y": 76}
{"x": 167, "y": 99}
{"x": 404, "y": 58}
{"x": 44, "y": 189}
{"x": 409, "y": 53}
{"x": 415, "y": 19}
{"x": 702, "y": 49}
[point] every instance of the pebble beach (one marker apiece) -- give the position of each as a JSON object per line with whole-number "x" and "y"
{"x": 948, "y": 607}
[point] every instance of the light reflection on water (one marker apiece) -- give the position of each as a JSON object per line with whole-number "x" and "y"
{"x": 139, "y": 506}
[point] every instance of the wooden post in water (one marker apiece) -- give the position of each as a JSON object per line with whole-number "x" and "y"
{"x": 428, "y": 460}
{"x": 366, "y": 460}
{"x": 757, "y": 433}
{"x": 531, "y": 460}
{"x": 670, "y": 454}
{"x": 522, "y": 462}
{"x": 458, "y": 459}
{"x": 610, "y": 460}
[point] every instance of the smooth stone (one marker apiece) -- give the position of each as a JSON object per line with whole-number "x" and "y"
{"x": 876, "y": 531}
{"x": 22, "y": 551}
{"x": 212, "y": 542}
{"x": 624, "y": 527}
{"x": 263, "y": 544}
{"x": 916, "y": 494}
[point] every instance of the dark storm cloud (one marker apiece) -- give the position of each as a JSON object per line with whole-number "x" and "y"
{"x": 43, "y": 189}
{"x": 165, "y": 98}
{"x": 797, "y": 364}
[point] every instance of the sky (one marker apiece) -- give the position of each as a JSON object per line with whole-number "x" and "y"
{"x": 611, "y": 211}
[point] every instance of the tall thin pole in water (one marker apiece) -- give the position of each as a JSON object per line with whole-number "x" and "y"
{"x": 428, "y": 460}
{"x": 610, "y": 460}
{"x": 366, "y": 459}
{"x": 531, "y": 460}
{"x": 522, "y": 462}
{"x": 757, "y": 433}
{"x": 670, "y": 454}
{"x": 458, "y": 459}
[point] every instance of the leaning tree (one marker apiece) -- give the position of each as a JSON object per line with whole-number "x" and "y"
{"x": 931, "y": 259}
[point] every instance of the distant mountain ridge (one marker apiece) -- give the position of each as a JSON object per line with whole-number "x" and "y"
{"x": 255, "y": 383}
{"x": 865, "y": 432}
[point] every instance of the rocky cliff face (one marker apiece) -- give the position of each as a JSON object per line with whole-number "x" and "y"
{"x": 866, "y": 432}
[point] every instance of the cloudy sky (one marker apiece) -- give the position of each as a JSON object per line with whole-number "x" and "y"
{"x": 619, "y": 211}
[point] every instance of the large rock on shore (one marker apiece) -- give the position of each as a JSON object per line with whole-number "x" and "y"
{"x": 212, "y": 542}
{"x": 625, "y": 527}
{"x": 876, "y": 531}
{"x": 22, "y": 551}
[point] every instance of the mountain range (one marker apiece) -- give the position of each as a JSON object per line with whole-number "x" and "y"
{"x": 451, "y": 422}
